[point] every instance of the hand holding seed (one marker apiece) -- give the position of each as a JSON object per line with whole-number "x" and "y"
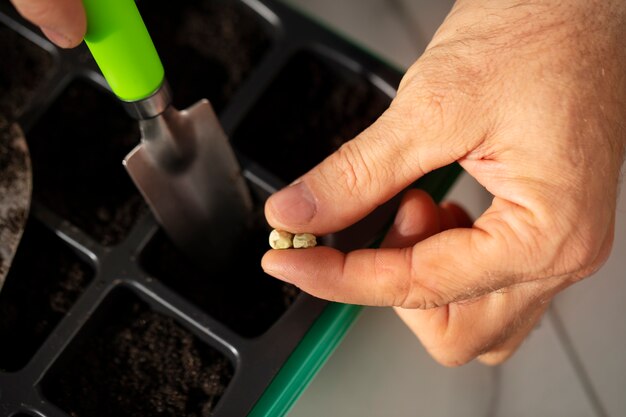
{"x": 529, "y": 97}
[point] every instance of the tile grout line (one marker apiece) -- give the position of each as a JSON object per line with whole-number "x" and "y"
{"x": 577, "y": 364}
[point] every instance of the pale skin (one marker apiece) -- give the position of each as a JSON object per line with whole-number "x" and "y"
{"x": 62, "y": 21}
{"x": 530, "y": 98}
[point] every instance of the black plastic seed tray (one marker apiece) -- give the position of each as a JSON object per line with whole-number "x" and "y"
{"x": 100, "y": 315}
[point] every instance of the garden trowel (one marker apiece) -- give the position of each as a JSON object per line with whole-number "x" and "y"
{"x": 15, "y": 191}
{"x": 184, "y": 166}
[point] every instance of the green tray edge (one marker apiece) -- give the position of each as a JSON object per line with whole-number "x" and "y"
{"x": 306, "y": 360}
{"x": 329, "y": 329}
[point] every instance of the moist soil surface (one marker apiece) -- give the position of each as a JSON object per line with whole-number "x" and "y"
{"x": 238, "y": 293}
{"x": 138, "y": 362}
{"x": 23, "y": 67}
{"x": 308, "y": 112}
{"x": 14, "y": 189}
{"x": 207, "y": 47}
{"x": 44, "y": 281}
{"x": 77, "y": 149}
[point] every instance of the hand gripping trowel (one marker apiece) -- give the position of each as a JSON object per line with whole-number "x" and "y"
{"x": 184, "y": 165}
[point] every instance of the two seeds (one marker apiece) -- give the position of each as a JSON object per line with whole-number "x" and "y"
{"x": 279, "y": 239}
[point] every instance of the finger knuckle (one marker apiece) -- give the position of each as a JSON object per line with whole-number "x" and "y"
{"x": 351, "y": 167}
{"x": 442, "y": 83}
{"x": 451, "y": 356}
{"x": 438, "y": 109}
{"x": 434, "y": 284}
{"x": 422, "y": 293}
{"x": 354, "y": 172}
{"x": 429, "y": 105}
{"x": 575, "y": 248}
{"x": 586, "y": 256}
{"x": 387, "y": 279}
{"x": 453, "y": 346}
{"x": 448, "y": 342}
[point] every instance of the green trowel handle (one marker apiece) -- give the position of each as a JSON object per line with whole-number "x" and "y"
{"x": 121, "y": 45}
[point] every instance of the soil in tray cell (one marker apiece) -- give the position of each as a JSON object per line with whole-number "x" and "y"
{"x": 239, "y": 294}
{"x": 44, "y": 281}
{"x": 23, "y": 67}
{"x": 77, "y": 149}
{"x": 133, "y": 361}
{"x": 308, "y": 112}
{"x": 208, "y": 47}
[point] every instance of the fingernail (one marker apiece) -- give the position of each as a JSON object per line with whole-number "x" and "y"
{"x": 57, "y": 37}
{"x": 294, "y": 205}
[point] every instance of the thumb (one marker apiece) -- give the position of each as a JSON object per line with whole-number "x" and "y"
{"x": 413, "y": 137}
{"x": 62, "y": 21}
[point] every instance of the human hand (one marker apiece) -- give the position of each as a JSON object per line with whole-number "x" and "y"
{"x": 62, "y": 21}
{"x": 530, "y": 100}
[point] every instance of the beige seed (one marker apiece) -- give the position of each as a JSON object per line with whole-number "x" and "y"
{"x": 279, "y": 239}
{"x": 304, "y": 240}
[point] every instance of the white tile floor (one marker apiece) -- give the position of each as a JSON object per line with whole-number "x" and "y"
{"x": 573, "y": 364}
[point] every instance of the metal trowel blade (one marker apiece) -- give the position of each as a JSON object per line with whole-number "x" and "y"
{"x": 15, "y": 192}
{"x": 189, "y": 176}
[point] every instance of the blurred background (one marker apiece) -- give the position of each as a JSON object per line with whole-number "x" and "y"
{"x": 573, "y": 364}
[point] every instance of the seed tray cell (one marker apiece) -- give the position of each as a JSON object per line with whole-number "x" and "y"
{"x": 76, "y": 148}
{"x": 140, "y": 331}
{"x": 219, "y": 292}
{"x": 312, "y": 107}
{"x": 22, "y": 69}
{"x": 137, "y": 362}
{"x": 207, "y": 48}
{"x": 44, "y": 281}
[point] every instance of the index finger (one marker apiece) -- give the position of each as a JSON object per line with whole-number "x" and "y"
{"x": 450, "y": 266}
{"x": 432, "y": 273}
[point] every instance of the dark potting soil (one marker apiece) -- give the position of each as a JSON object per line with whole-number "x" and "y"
{"x": 23, "y": 67}
{"x": 14, "y": 159}
{"x": 307, "y": 113}
{"x": 138, "y": 362}
{"x": 207, "y": 47}
{"x": 77, "y": 149}
{"x": 238, "y": 294}
{"x": 14, "y": 189}
{"x": 44, "y": 281}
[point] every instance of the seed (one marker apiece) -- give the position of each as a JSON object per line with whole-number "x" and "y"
{"x": 279, "y": 239}
{"x": 304, "y": 240}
